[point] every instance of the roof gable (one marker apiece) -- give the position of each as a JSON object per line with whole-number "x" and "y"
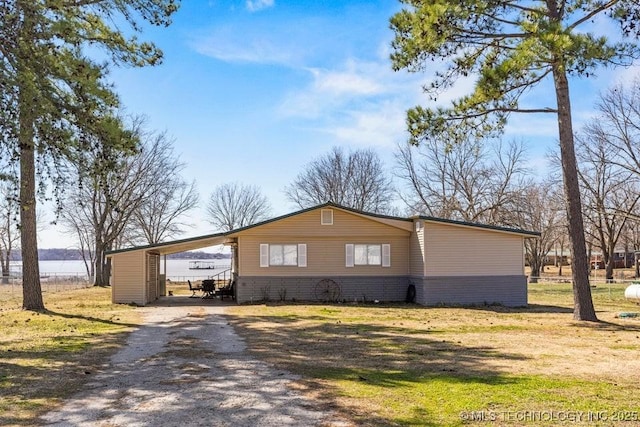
{"x": 307, "y": 223}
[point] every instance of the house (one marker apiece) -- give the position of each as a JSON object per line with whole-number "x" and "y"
{"x": 330, "y": 252}
{"x": 621, "y": 259}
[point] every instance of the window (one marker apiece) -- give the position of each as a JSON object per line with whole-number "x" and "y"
{"x": 367, "y": 254}
{"x": 326, "y": 217}
{"x": 283, "y": 255}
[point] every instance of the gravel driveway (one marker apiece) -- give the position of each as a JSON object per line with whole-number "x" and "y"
{"x": 186, "y": 366}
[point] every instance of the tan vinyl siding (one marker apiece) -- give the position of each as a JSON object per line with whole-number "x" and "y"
{"x": 417, "y": 253}
{"x": 325, "y": 256}
{"x": 344, "y": 224}
{"x": 464, "y": 251}
{"x": 405, "y": 225}
{"x": 127, "y": 281}
{"x": 325, "y": 245}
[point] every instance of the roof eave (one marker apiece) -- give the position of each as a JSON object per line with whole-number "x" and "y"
{"x": 524, "y": 233}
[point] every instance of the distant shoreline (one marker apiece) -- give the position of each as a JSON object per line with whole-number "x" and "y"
{"x": 59, "y": 254}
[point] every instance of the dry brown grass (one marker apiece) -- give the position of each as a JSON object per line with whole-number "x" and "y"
{"x": 47, "y": 356}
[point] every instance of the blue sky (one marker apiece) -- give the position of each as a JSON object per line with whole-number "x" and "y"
{"x": 253, "y": 90}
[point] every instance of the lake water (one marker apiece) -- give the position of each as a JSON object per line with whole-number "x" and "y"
{"x": 177, "y": 269}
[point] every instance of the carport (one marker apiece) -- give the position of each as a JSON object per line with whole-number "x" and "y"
{"x": 135, "y": 272}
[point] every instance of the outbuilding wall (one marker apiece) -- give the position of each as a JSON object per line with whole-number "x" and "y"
{"x": 128, "y": 278}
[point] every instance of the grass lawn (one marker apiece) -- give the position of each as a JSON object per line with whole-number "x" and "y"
{"x": 376, "y": 364}
{"x": 45, "y": 357}
{"x": 410, "y": 365}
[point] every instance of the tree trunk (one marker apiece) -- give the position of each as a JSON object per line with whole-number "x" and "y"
{"x": 27, "y": 101}
{"x": 608, "y": 271}
{"x": 561, "y": 258}
{"x": 103, "y": 266}
{"x": 98, "y": 264}
{"x": 31, "y": 289}
{"x": 583, "y": 303}
{"x": 535, "y": 259}
{"x": 535, "y": 270}
{"x": 610, "y": 265}
{"x": 4, "y": 260}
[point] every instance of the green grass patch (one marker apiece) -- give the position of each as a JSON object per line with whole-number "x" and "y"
{"x": 414, "y": 398}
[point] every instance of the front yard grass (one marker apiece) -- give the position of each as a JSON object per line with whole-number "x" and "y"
{"x": 46, "y": 356}
{"x": 410, "y": 365}
{"x": 376, "y": 364}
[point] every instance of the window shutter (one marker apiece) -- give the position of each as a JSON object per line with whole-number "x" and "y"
{"x": 302, "y": 255}
{"x": 386, "y": 255}
{"x": 348, "y": 250}
{"x": 264, "y": 255}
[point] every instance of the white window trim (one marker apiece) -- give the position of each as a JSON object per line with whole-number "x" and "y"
{"x": 301, "y": 256}
{"x": 385, "y": 255}
{"x": 322, "y": 212}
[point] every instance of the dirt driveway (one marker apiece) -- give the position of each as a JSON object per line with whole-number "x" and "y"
{"x": 186, "y": 366}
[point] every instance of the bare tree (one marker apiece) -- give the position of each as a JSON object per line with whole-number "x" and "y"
{"x": 9, "y": 233}
{"x": 467, "y": 181}
{"x": 631, "y": 238}
{"x": 607, "y": 168}
{"x": 160, "y": 214}
{"x": 114, "y": 188}
{"x": 80, "y": 223}
{"x": 561, "y": 240}
{"x": 541, "y": 210}
{"x": 356, "y": 180}
{"x": 234, "y": 205}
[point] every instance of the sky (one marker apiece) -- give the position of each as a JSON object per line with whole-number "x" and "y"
{"x": 253, "y": 90}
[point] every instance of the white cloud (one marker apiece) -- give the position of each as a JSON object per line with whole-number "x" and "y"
{"x": 339, "y": 83}
{"x": 257, "y": 5}
{"x": 382, "y": 125}
{"x": 257, "y": 52}
{"x": 230, "y": 45}
{"x": 347, "y": 88}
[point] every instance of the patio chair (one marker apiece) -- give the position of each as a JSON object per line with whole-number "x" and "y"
{"x": 209, "y": 288}
{"x": 193, "y": 289}
{"x": 228, "y": 290}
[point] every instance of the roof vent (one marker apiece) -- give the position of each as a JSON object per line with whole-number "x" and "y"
{"x": 326, "y": 217}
